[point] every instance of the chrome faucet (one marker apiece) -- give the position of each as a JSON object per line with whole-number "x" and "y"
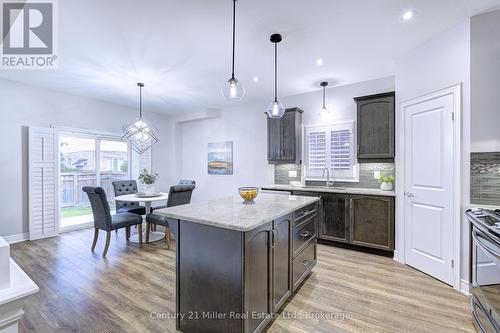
{"x": 328, "y": 181}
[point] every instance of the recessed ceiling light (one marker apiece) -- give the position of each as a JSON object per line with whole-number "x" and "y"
{"x": 255, "y": 79}
{"x": 408, "y": 15}
{"x": 319, "y": 62}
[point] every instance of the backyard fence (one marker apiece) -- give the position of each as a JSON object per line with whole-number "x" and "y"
{"x": 71, "y": 184}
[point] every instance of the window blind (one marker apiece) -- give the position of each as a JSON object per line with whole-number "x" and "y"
{"x": 331, "y": 147}
{"x": 316, "y": 147}
{"x": 340, "y": 150}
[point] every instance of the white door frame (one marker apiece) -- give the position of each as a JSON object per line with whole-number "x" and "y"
{"x": 399, "y": 253}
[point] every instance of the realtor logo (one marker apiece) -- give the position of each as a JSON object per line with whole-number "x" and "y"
{"x": 28, "y": 35}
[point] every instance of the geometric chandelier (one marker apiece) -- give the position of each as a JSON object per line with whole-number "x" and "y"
{"x": 140, "y": 134}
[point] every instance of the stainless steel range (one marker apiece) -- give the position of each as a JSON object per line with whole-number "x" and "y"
{"x": 485, "y": 285}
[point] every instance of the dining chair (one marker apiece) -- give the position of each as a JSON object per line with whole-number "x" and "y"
{"x": 181, "y": 182}
{"x": 103, "y": 220}
{"x": 178, "y": 195}
{"x": 122, "y": 187}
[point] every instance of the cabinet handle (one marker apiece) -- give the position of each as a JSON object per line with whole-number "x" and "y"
{"x": 305, "y": 234}
{"x": 275, "y": 238}
{"x": 305, "y": 262}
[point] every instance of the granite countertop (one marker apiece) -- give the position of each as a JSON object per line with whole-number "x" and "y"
{"x": 324, "y": 189}
{"x": 231, "y": 213}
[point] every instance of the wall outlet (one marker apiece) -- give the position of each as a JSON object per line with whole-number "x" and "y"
{"x": 376, "y": 174}
{"x": 292, "y": 173}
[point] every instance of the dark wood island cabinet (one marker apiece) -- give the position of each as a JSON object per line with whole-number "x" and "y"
{"x": 235, "y": 270}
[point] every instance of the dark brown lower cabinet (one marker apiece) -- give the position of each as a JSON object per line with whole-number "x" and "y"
{"x": 372, "y": 221}
{"x": 335, "y": 223}
{"x": 281, "y": 261}
{"x": 363, "y": 220}
{"x": 257, "y": 277}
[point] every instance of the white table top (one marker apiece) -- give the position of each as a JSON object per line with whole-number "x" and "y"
{"x": 134, "y": 198}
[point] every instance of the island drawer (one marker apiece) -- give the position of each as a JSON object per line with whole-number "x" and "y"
{"x": 302, "y": 214}
{"x": 303, "y": 264}
{"x": 303, "y": 234}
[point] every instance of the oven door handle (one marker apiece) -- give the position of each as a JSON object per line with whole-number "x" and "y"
{"x": 475, "y": 306}
{"x": 480, "y": 239}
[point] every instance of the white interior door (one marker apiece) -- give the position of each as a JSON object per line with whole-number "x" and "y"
{"x": 429, "y": 191}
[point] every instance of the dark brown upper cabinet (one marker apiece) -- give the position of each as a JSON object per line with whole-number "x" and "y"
{"x": 284, "y": 138}
{"x": 375, "y": 127}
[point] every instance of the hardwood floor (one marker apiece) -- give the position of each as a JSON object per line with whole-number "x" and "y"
{"x": 132, "y": 290}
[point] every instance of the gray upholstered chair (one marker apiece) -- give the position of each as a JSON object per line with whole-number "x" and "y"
{"x": 181, "y": 182}
{"x": 178, "y": 195}
{"x": 123, "y": 187}
{"x": 103, "y": 220}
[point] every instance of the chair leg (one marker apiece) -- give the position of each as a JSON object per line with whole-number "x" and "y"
{"x": 96, "y": 234}
{"x": 106, "y": 247}
{"x": 167, "y": 237}
{"x": 154, "y": 227}
{"x": 148, "y": 231}
{"x": 140, "y": 233}
{"x": 127, "y": 232}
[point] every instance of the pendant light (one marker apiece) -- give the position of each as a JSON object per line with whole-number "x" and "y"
{"x": 275, "y": 109}
{"x": 235, "y": 91}
{"x": 140, "y": 134}
{"x": 324, "y": 111}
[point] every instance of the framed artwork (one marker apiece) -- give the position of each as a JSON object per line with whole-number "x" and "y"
{"x": 220, "y": 158}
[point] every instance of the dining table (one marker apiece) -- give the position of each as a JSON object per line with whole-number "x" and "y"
{"x": 154, "y": 236}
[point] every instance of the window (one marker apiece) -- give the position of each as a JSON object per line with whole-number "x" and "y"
{"x": 332, "y": 147}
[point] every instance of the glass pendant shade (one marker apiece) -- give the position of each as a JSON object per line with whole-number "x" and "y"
{"x": 324, "y": 113}
{"x": 275, "y": 109}
{"x": 234, "y": 91}
{"x": 140, "y": 133}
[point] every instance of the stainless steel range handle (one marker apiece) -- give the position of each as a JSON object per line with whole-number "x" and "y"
{"x": 483, "y": 241}
{"x": 475, "y": 316}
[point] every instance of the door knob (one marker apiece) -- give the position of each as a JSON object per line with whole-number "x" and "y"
{"x": 409, "y": 195}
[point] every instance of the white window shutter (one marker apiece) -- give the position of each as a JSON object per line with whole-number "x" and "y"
{"x": 316, "y": 148}
{"x": 43, "y": 183}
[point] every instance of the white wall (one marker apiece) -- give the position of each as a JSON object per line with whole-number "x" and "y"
{"x": 439, "y": 63}
{"x": 485, "y": 82}
{"x": 246, "y": 126}
{"x": 21, "y": 106}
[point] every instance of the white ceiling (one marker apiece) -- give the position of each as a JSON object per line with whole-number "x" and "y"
{"x": 181, "y": 48}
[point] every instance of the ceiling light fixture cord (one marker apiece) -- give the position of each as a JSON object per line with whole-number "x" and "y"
{"x": 324, "y": 87}
{"x": 234, "y": 38}
{"x": 140, "y": 102}
{"x": 275, "y": 71}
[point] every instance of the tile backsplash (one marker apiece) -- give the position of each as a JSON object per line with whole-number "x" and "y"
{"x": 366, "y": 170}
{"x": 485, "y": 178}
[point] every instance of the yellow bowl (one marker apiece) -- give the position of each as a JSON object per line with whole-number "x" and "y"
{"x": 248, "y": 194}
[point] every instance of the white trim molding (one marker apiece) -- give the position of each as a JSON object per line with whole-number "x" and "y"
{"x": 464, "y": 287}
{"x": 18, "y": 238}
{"x": 399, "y": 253}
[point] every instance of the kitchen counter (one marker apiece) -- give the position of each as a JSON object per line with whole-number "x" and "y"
{"x": 231, "y": 213}
{"x": 238, "y": 264}
{"x": 324, "y": 189}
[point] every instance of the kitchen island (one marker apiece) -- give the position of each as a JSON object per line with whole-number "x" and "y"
{"x": 237, "y": 264}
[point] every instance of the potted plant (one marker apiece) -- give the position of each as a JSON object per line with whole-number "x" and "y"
{"x": 386, "y": 182}
{"x": 148, "y": 179}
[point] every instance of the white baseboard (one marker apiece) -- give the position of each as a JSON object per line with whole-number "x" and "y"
{"x": 397, "y": 258}
{"x": 464, "y": 287}
{"x": 12, "y": 239}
